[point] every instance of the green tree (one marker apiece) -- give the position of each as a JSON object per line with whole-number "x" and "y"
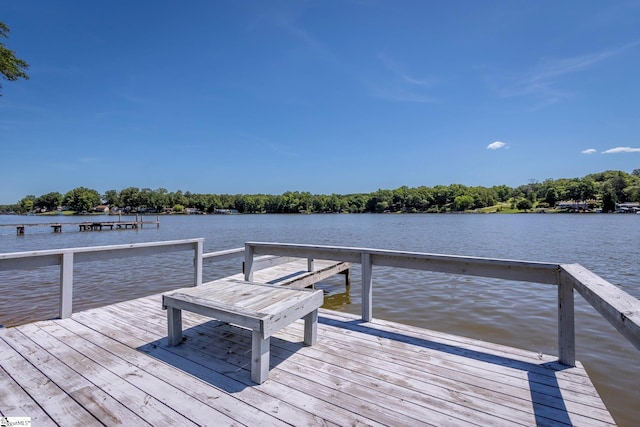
{"x": 502, "y": 192}
{"x": 587, "y": 189}
{"x": 619, "y": 183}
{"x": 380, "y": 201}
{"x": 159, "y": 199}
{"x": 524, "y": 205}
{"x": 130, "y": 198}
{"x": 81, "y": 199}
{"x": 633, "y": 193}
{"x": 552, "y": 196}
{"x": 608, "y": 199}
{"x": 177, "y": 198}
{"x": 25, "y": 205}
{"x": 145, "y": 198}
{"x": 49, "y": 201}
{"x": 11, "y": 67}
{"x": 112, "y": 198}
{"x": 462, "y": 203}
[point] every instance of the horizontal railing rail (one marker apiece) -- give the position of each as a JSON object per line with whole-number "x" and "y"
{"x": 224, "y": 255}
{"x": 619, "y": 308}
{"x": 616, "y": 306}
{"x": 66, "y": 258}
{"x": 259, "y": 263}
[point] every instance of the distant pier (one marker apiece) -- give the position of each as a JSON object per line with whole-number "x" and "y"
{"x": 89, "y": 225}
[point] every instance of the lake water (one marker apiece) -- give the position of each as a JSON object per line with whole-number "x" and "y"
{"x": 513, "y": 313}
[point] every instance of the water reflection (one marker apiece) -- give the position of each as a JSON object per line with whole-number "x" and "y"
{"x": 336, "y": 300}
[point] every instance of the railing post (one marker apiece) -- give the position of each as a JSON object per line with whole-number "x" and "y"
{"x": 248, "y": 262}
{"x": 367, "y": 287}
{"x": 197, "y": 262}
{"x": 566, "y": 323}
{"x": 309, "y": 264}
{"x": 66, "y": 285}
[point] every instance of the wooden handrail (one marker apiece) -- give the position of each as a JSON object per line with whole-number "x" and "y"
{"x": 225, "y": 254}
{"x": 66, "y": 258}
{"x": 619, "y": 308}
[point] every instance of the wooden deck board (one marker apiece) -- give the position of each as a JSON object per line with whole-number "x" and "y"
{"x": 468, "y": 371}
{"x": 100, "y": 404}
{"x": 58, "y": 406}
{"x": 294, "y": 274}
{"x": 17, "y": 402}
{"x": 232, "y": 378}
{"x": 522, "y": 379}
{"x": 374, "y": 373}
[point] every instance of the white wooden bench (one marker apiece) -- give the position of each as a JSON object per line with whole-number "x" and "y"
{"x": 265, "y": 309}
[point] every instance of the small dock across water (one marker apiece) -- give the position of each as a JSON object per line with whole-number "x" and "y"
{"x": 87, "y": 225}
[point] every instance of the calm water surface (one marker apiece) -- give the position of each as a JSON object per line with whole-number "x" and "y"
{"x": 518, "y": 314}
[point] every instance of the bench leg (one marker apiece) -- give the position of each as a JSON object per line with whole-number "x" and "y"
{"x": 311, "y": 328}
{"x": 259, "y": 357}
{"x": 174, "y": 320}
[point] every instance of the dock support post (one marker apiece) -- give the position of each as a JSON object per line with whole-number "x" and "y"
{"x": 197, "y": 262}
{"x": 347, "y": 277}
{"x": 367, "y": 287}
{"x": 309, "y": 264}
{"x": 311, "y": 328}
{"x": 248, "y": 262}
{"x": 174, "y": 323}
{"x": 566, "y": 323}
{"x": 66, "y": 285}
{"x": 260, "y": 357}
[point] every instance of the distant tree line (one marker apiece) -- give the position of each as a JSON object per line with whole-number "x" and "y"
{"x": 601, "y": 190}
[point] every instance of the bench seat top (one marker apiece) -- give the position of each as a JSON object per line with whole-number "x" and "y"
{"x": 261, "y": 307}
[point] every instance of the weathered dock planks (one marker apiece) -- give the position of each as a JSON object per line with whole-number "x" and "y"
{"x": 112, "y": 365}
{"x": 295, "y": 273}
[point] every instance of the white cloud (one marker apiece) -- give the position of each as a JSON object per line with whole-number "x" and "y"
{"x": 621, "y": 150}
{"x": 496, "y": 145}
{"x": 589, "y": 151}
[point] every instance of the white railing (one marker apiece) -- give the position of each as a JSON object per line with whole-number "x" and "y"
{"x": 618, "y": 307}
{"x": 66, "y": 258}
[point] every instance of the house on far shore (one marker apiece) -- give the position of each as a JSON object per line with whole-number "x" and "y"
{"x": 572, "y": 206}
{"x": 628, "y": 207}
{"x": 101, "y": 208}
{"x": 226, "y": 211}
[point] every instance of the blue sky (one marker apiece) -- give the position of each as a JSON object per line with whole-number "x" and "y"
{"x": 321, "y": 96}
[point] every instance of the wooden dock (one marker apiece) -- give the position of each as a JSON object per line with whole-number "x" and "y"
{"x": 99, "y": 225}
{"x": 112, "y": 365}
{"x": 87, "y": 225}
